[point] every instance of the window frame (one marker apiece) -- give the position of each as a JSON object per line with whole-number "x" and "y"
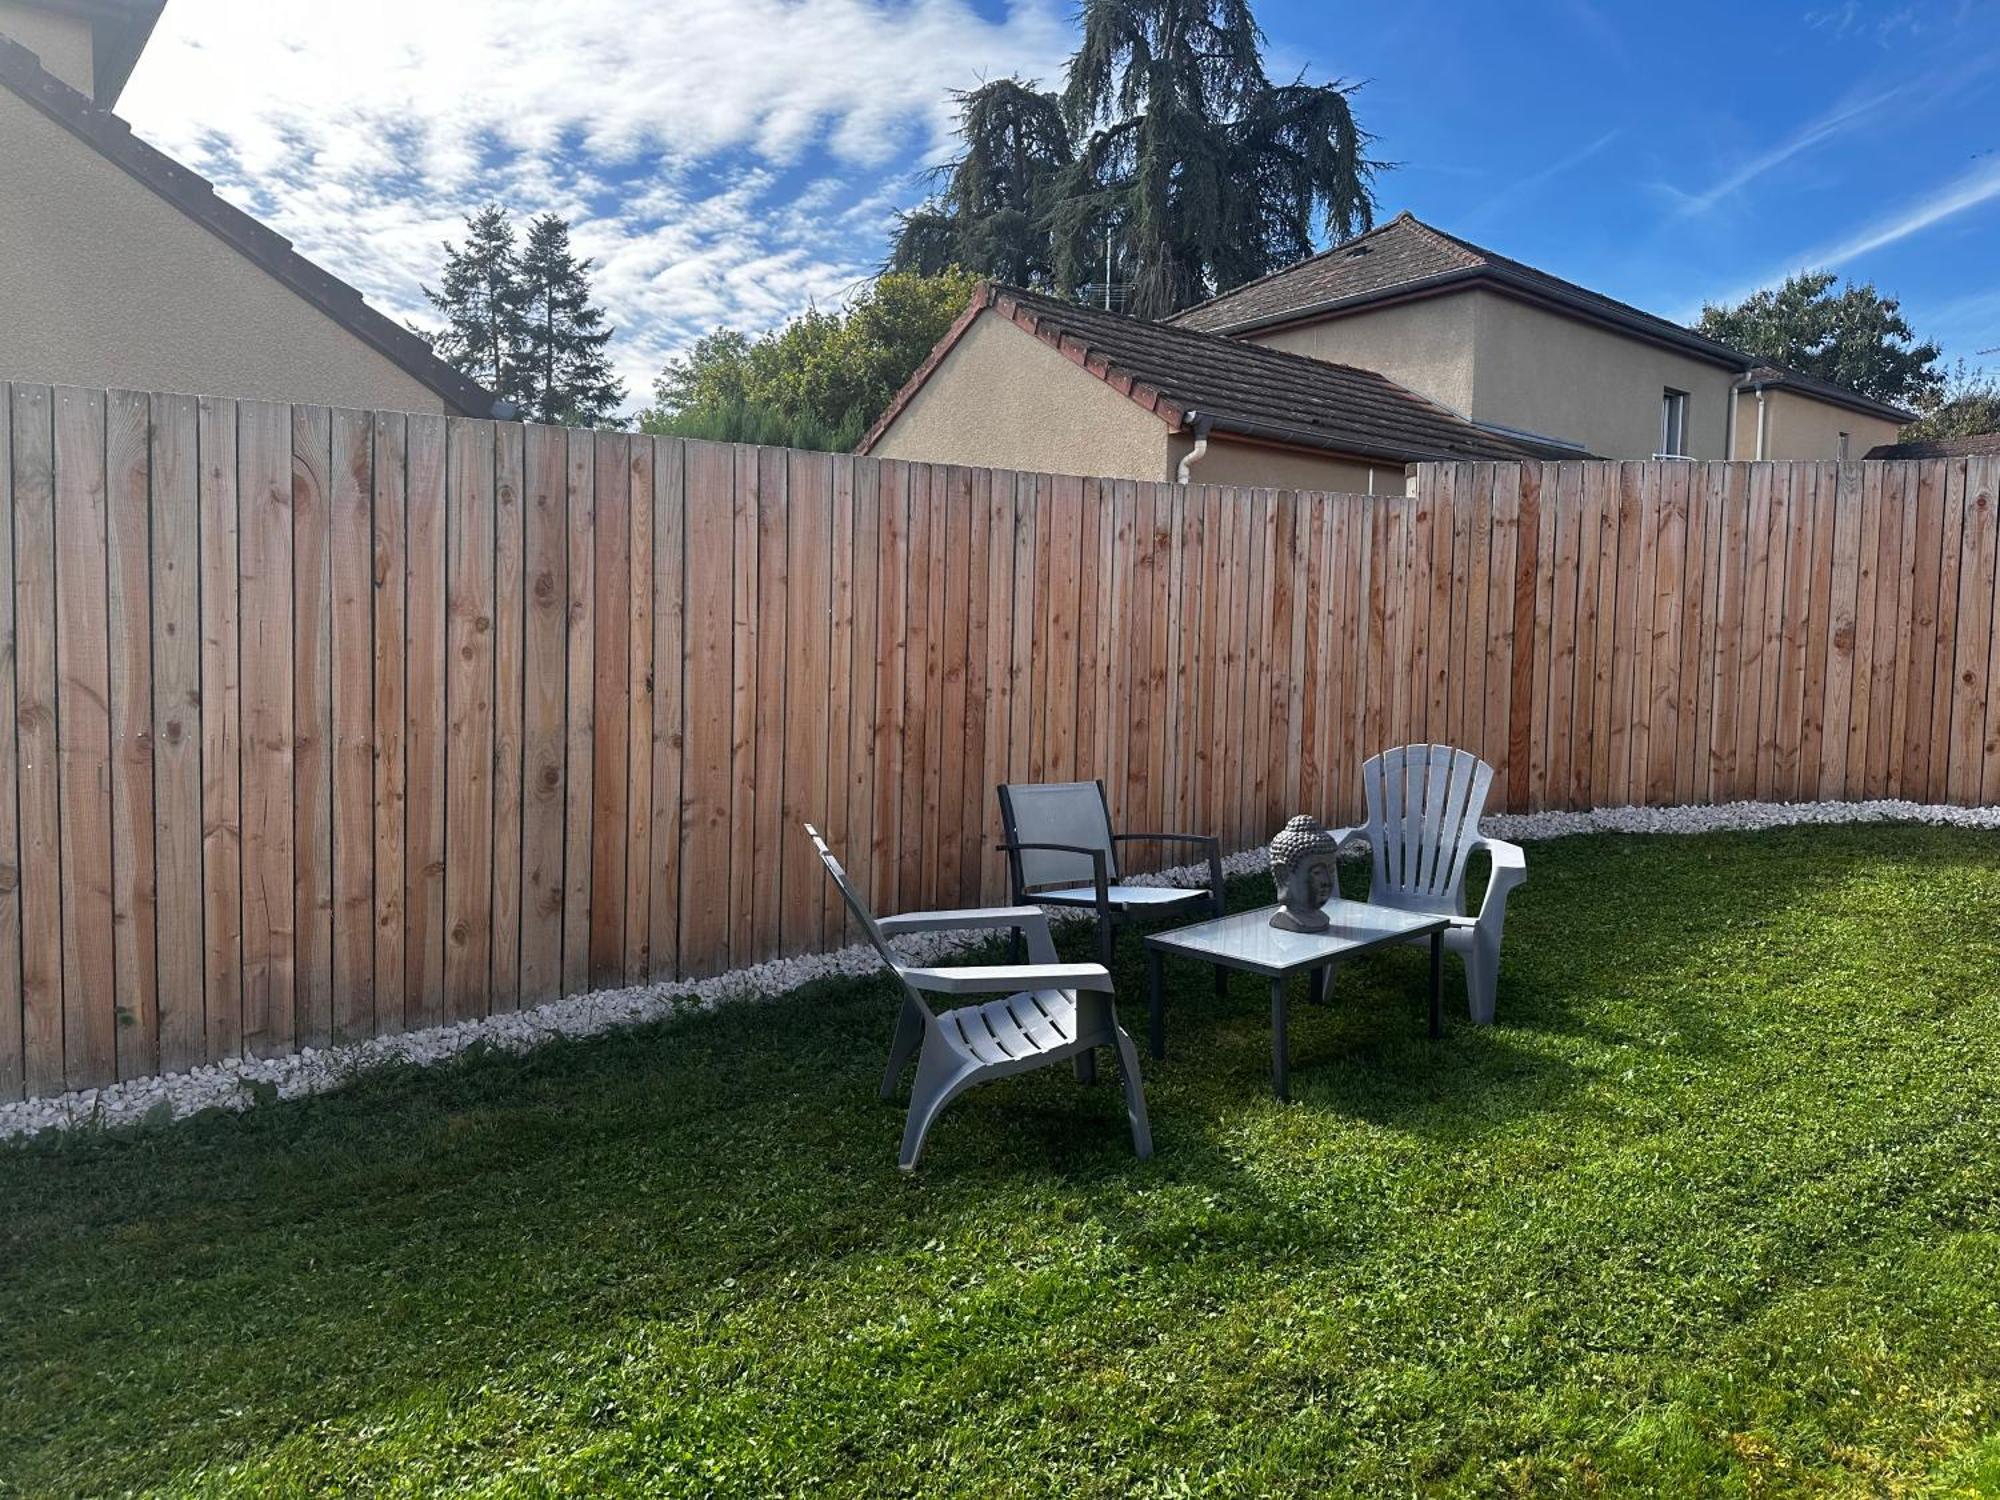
{"x": 1674, "y": 408}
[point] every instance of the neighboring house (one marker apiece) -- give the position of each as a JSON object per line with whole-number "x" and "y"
{"x": 124, "y": 268}
{"x": 1525, "y": 353}
{"x": 1024, "y": 381}
{"x": 1401, "y": 345}
{"x": 1979, "y": 445}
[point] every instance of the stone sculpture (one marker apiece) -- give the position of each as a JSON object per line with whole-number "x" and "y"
{"x": 1303, "y": 865}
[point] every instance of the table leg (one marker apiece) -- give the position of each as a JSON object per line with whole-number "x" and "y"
{"x": 1318, "y": 990}
{"x": 1156, "y": 1005}
{"x": 1280, "y": 1050}
{"x": 1437, "y": 985}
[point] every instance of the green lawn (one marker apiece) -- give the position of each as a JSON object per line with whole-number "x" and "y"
{"x": 1715, "y": 1209}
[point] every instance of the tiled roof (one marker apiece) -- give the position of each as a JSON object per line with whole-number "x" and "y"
{"x": 1392, "y": 257}
{"x": 1242, "y": 389}
{"x": 1979, "y": 445}
{"x": 21, "y": 71}
{"x": 1782, "y": 377}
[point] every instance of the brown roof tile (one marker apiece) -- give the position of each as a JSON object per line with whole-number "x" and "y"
{"x": 1241, "y": 389}
{"x": 1979, "y": 445}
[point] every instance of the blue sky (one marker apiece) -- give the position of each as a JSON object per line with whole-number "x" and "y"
{"x": 731, "y": 161}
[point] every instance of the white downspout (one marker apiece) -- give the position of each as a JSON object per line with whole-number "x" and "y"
{"x": 1762, "y": 426}
{"x": 1201, "y": 424}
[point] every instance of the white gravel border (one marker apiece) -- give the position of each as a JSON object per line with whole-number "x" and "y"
{"x": 238, "y": 1083}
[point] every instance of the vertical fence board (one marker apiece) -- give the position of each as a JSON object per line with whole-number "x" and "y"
{"x": 13, "y": 1041}
{"x": 264, "y": 442}
{"x": 468, "y": 756}
{"x": 580, "y": 520}
{"x": 1816, "y": 501}
{"x": 1890, "y": 643}
{"x": 706, "y": 780}
{"x": 1944, "y": 686}
{"x": 638, "y": 812}
{"x": 129, "y": 626}
{"x": 83, "y": 738}
{"x": 1975, "y": 633}
{"x": 609, "y": 722}
{"x": 1920, "y": 728}
{"x": 808, "y": 549}
{"x": 863, "y": 707}
{"x": 669, "y": 701}
{"x": 353, "y": 506}
{"x": 222, "y": 729}
{"x": 42, "y": 997}
{"x": 973, "y": 789}
{"x": 1982, "y": 480}
{"x": 389, "y": 574}
{"x": 544, "y": 724}
{"x": 424, "y": 736}
{"x": 312, "y": 718}
{"x": 509, "y": 710}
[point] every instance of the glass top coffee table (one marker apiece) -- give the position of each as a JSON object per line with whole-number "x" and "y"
{"x": 1247, "y": 941}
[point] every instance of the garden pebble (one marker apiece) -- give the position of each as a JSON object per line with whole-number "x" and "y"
{"x": 238, "y": 1083}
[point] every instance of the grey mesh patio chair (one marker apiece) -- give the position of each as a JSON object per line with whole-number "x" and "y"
{"x": 1061, "y": 851}
{"x": 1046, "y": 1012}
{"x": 1424, "y": 803}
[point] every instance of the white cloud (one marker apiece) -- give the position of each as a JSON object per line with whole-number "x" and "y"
{"x": 1522, "y": 188}
{"x": 1967, "y": 191}
{"x": 672, "y": 134}
{"x": 1835, "y": 122}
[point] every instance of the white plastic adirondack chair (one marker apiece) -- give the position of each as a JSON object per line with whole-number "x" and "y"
{"x": 1424, "y": 803}
{"x": 1048, "y": 1012}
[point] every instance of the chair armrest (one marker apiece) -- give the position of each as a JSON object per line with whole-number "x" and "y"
{"x": 1030, "y": 921}
{"x": 1210, "y": 845}
{"x": 1510, "y": 868}
{"x": 1342, "y": 837}
{"x": 1008, "y": 979}
{"x": 961, "y": 921}
{"x": 1099, "y": 877}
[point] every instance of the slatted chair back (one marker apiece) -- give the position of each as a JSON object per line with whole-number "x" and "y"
{"x": 1424, "y": 803}
{"x": 1058, "y": 812}
{"x": 853, "y": 899}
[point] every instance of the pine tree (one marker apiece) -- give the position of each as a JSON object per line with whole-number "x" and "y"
{"x": 1169, "y": 151}
{"x": 568, "y": 379}
{"x": 480, "y": 299}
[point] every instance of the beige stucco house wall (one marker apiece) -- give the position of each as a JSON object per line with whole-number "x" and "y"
{"x": 110, "y": 285}
{"x": 1003, "y": 399}
{"x": 1427, "y": 346}
{"x": 1798, "y": 427}
{"x": 62, "y": 41}
{"x": 1504, "y": 363}
{"x": 1508, "y": 364}
{"x": 1559, "y": 377}
{"x": 1230, "y": 461}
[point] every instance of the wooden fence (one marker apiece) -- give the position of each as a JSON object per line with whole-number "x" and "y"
{"x": 325, "y": 723}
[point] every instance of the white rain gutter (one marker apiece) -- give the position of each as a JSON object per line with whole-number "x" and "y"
{"x": 1201, "y": 424}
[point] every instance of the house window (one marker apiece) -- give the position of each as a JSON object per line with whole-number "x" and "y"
{"x": 1843, "y": 447}
{"x": 1673, "y": 423}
